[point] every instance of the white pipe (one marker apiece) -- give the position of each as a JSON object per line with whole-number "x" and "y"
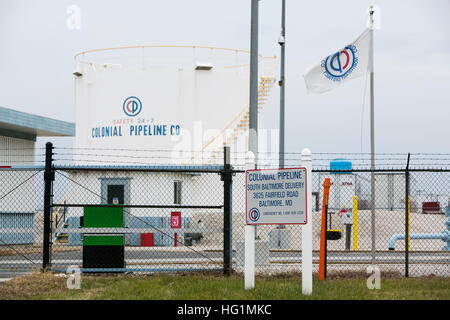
{"x": 417, "y": 236}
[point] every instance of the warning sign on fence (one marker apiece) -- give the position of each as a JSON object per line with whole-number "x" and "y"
{"x": 276, "y": 196}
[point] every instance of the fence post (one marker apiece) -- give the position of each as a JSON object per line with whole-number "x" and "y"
{"x": 407, "y": 218}
{"x": 307, "y": 260}
{"x": 227, "y": 212}
{"x": 48, "y": 178}
{"x": 323, "y": 231}
{"x": 249, "y": 238}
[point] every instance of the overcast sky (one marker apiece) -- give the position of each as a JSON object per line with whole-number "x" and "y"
{"x": 412, "y": 61}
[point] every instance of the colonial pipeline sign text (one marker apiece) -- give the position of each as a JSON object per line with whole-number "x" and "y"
{"x": 134, "y": 126}
{"x": 138, "y": 130}
{"x": 276, "y": 196}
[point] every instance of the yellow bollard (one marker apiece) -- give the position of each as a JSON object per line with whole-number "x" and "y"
{"x": 355, "y": 223}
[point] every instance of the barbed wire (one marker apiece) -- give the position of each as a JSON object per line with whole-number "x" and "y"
{"x": 14, "y": 149}
{"x": 23, "y": 155}
{"x": 245, "y": 152}
{"x": 23, "y": 161}
{"x": 189, "y": 158}
{"x": 263, "y": 158}
{"x": 271, "y": 158}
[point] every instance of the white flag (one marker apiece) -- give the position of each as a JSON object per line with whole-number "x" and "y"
{"x": 351, "y": 62}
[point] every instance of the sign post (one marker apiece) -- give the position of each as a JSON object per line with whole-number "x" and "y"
{"x": 307, "y": 228}
{"x": 249, "y": 253}
{"x": 279, "y": 196}
{"x": 249, "y": 240}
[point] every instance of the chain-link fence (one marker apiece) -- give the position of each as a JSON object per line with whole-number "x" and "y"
{"x": 405, "y": 231}
{"x": 21, "y": 219}
{"x": 180, "y": 218}
{"x": 146, "y": 219}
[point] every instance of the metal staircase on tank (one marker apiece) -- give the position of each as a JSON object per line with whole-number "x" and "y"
{"x": 242, "y": 121}
{"x": 59, "y": 215}
{"x": 62, "y": 237}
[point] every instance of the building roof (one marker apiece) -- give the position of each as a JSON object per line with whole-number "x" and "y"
{"x": 28, "y": 126}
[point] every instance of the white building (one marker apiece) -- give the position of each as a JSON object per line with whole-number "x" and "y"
{"x": 20, "y": 180}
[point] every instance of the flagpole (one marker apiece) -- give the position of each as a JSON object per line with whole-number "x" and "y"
{"x": 372, "y": 136}
{"x": 281, "y": 42}
{"x": 253, "y": 109}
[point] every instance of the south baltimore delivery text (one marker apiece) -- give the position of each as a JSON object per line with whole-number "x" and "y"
{"x": 258, "y": 181}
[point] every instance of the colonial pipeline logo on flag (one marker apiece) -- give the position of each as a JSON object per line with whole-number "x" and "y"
{"x": 348, "y": 63}
{"x": 341, "y": 64}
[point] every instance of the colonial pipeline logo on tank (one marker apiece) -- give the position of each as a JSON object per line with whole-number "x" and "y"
{"x": 134, "y": 124}
{"x": 132, "y": 106}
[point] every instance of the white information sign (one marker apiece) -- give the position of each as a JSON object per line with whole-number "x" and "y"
{"x": 276, "y": 196}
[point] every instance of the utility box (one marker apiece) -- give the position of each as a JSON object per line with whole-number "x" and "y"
{"x": 103, "y": 250}
{"x": 347, "y": 218}
{"x": 342, "y": 190}
{"x": 390, "y": 191}
{"x": 103, "y": 217}
{"x": 74, "y": 239}
{"x": 261, "y": 253}
{"x": 147, "y": 240}
{"x": 279, "y": 239}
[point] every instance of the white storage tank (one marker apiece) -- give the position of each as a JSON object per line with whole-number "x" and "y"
{"x": 184, "y": 101}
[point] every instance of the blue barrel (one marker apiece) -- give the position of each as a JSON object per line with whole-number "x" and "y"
{"x": 341, "y": 164}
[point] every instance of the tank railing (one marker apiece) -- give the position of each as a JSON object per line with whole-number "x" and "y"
{"x": 84, "y": 53}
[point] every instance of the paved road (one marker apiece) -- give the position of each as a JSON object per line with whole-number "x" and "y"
{"x": 183, "y": 257}
{"x": 8, "y": 275}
